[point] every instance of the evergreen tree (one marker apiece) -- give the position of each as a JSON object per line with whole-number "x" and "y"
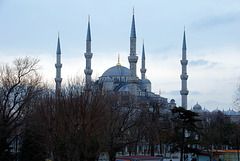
{"x": 184, "y": 125}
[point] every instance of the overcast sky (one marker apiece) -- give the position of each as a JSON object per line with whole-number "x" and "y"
{"x": 30, "y": 27}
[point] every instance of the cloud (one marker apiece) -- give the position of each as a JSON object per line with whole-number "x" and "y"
{"x": 173, "y": 92}
{"x": 199, "y": 62}
{"x": 203, "y": 63}
{"x": 195, "y": 93}
{"x": 217, "y": 20}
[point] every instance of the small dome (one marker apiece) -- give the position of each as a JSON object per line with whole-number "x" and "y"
{"x": 206, "y": 110}
{"x": 197, "y": 107}
{"x": 108, "y": 79}
{"x": 146, "y": 81}
{"x": 116, "y": 71}
{"x": 217, "y": 110}
{"x": 172, "y": 101}
{"x": 230, "y": 112}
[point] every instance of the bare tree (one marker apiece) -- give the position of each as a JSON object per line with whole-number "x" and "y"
{"x": 155, "y": 124}
{"x": 122, "y": 124}
{"x": 217, "y": 132}
{"x": 73, "y": 121}
{"x": 20, "y": 83}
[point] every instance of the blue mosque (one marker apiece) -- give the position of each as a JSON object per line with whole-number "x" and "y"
{"x": 123, "y": 80}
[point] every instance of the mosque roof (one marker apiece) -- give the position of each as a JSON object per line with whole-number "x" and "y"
{"x": 116, "y": 71}
{"x": 206, "y": 110}
{"x": 108, "y": 79}
{"x": 230, "y": 112}
{"x": 172, "y": 101}
{"x": 146, "y": 81}
{"x": 197, "y": 107}
{"x": 126, "y": 88}
{"x": 216, "y": 110}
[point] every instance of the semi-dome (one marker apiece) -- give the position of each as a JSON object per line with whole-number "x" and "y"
{"x": 206, "y": 110}
{"x": 108, "y": 79}
{"x": 116, "y": 71}
{"x": 146, "y": 81}
{"x": 197, "y": 107}
{"x": 126, "y": 88}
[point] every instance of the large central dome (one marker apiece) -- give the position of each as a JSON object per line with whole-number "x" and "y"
{"x": 116, "y": 71}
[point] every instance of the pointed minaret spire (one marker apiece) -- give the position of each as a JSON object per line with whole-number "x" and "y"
{"x": 58, "y": 66}
{"x": 133, "y": 30}
{"x": 143, "y": 69}
{"x": 184, "y": 92}
{"x": 133, "y": 58}
{"x": 88, "y": 55}
{"x": 88, "y": 31}
{"x": 184, "y": 41}
{"x": 58, "y": 45}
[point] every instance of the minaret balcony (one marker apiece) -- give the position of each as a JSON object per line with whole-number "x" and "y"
{"x": 88, "y": 71}
{"x": 58, "y": 79}
{"x": 184, "y": 62}
{"x": 143, "y": 70}
{"x": 184, "y": 92}
{"x": 58, "y": 65}
{"x": 88, "y": 55}
{"x": 184, "y": 76}
{"x": 133, "y": 59}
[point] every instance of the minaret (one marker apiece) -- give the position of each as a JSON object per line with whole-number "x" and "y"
{"x": 143, "y": 69}
{"x": 133, "y": 80}
{"x": 88, "y": 55}
{"x": 58, "y": 66}
{"x": 184, "y": 76}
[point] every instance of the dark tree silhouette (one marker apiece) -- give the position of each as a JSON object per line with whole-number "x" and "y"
{"x": 184, "y": 121}
{"x": 19, "y": 85}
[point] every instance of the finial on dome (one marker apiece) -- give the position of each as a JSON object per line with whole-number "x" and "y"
{"x": 133, "y": 10}
{"x": 58, "y": 34}
{"x": 88, "y": 17}
{"x": 118, "y": 64}
{"x": 184, "y": 27}
{"x": 160, "y": 92}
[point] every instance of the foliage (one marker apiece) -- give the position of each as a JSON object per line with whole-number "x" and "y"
{"x": 185, "y": 129}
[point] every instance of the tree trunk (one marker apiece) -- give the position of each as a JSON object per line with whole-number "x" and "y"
{"x": 152, "y": 148}
{"x": 182, "y": 144}
{"x": 112, "y": 155}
